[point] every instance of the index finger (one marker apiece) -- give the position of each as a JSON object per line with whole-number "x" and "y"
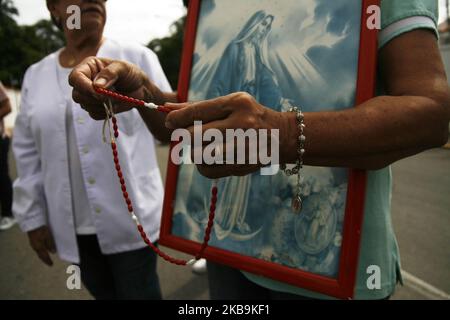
{"x": 205, "y": 111}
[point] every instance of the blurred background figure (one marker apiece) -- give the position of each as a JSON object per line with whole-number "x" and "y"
{"x": 6, "y": 218}
{"x": 66, "y": 197}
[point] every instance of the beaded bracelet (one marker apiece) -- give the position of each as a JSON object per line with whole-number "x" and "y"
{"x": 297, "y": 203}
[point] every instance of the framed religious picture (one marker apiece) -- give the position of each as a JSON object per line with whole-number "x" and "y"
{"x": 317, "y": 54}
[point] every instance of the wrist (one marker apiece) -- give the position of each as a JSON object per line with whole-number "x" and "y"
{"x": 289, "y": 133}
{"x": 286, "y": 124}
{"x": 151, "y": 93}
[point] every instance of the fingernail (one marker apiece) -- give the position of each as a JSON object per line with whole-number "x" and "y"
{"x": 100, "y": 82}
{"x": 174, "y": 105}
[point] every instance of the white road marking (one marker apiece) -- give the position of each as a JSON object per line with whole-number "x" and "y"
{"x": 423, "y": 287}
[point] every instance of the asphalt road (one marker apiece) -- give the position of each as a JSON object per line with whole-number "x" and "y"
{"x": 421, "y": 216}
{"x": 421, "y": 208}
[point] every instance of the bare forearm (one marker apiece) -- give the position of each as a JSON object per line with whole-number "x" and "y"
{"x": 370, "y": 162}
{"x": 154, "y": 120}
{"x": 373, "y": 135}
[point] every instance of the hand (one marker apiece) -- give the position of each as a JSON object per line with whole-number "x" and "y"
{"x": 41, "y": 240}
{"x": 234, "y": 111}
{"x": 126, "y": 78}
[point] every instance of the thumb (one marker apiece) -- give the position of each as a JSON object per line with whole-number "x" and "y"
{"x": 125, "y": 77}
{"x": 106, "y": 77}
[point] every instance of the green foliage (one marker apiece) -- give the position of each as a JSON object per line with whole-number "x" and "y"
{"x": 21, "y": 46}
{"x": 169, "y": 51}
{"x": 7, "y": 9}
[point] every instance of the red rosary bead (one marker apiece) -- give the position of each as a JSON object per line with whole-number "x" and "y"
{"x": 118, "y": 96}
{"x": 156, "y": 249}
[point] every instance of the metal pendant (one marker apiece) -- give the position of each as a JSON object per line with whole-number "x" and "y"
{"x": 297, "y": 204}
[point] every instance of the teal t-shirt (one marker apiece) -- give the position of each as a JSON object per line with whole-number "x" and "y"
{"x": 378, "y": 242}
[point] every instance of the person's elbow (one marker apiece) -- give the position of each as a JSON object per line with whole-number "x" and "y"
{"x": 440, "y": 132}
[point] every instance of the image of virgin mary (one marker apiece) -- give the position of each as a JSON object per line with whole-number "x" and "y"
{"x": 244, "y": 65}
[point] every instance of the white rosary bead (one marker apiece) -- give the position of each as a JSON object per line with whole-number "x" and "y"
{"x": 135, "y": 219}
{"x": 191, "y": 262}
{"x": 150, "y": 105}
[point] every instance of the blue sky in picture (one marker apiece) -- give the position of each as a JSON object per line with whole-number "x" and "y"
{"x": 322, "y": 59}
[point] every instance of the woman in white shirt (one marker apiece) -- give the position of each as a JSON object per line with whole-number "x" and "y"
{"x": 66, "y": 189}
{"x": 6, "y": 219}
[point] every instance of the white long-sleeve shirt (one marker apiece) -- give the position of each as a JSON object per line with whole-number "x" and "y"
{"x": 42, "y": 191}
{"x": 84, "y": 224}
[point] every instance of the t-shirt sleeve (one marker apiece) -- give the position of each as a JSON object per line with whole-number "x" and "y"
{"x": 400, "y": 16}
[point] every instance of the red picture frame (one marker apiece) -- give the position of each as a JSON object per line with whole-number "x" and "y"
{"x": 341, "y": 287}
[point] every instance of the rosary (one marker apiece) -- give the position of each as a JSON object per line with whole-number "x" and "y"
{"x": 113, "y": 135}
